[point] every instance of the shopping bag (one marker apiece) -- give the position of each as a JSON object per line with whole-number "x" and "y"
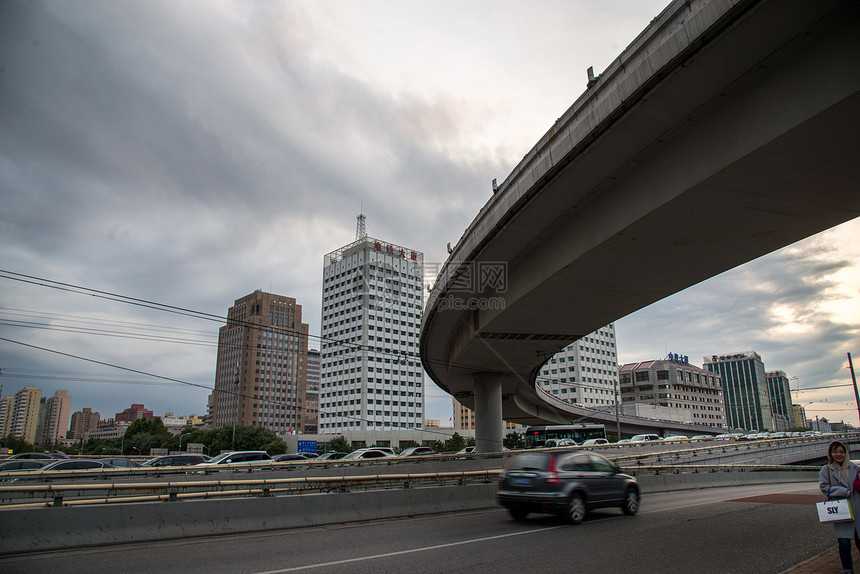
{"x": 836, "y": 510}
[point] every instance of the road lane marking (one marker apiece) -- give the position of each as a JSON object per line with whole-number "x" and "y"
{"x": 410, "y": 551}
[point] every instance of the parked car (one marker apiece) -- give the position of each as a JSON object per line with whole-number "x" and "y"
{"x": 38, "y": 455}
{"x": 238, "y": 457}
{"x": 332, "y": 455}
{"x": 623, "y": 441}
{"x": 364, "y": 453}
{"x": 177, "y": 460}
{"x": 595, "y": 442}
{"x": 567, "y": 484}
{"x": 466, "y": 450}
{"x": 23, "y": 464}
{"x": 417, "y": 451}
{"x": 75, "y": 464}
{"x": 289, "y": 457}
{"x": 121, "y": 462}
{"x": 558, "y": 442}
{"x": 676, "y": 439}
{"x": 644, "y": 437}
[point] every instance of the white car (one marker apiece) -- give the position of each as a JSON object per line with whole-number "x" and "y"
{"x": 644, "y": 438}
{"x": 558, "y": 442}
{"x": 676, "y": 438}
{"x": 237, "y": 457}
{"x": 595, "y": 442}
{"x": 365, "y": 453}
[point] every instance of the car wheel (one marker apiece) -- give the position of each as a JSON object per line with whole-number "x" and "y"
{"x": 631, "y": 502}
{"x": 518, "y": 514}
{"x": 575, "y": 509}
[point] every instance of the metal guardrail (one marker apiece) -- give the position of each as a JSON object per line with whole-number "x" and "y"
{"x": 57, "y": 495}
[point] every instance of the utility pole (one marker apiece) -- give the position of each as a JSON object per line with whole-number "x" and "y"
{"x": 854, "y": 380}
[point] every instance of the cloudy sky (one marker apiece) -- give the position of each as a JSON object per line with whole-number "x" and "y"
{"x": 189, "y": 153}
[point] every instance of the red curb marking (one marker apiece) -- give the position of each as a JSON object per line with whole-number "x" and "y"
{"x": 783, "y": 499}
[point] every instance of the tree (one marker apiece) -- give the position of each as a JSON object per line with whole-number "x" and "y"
{"x": 143, "y": 435}
{"x": 514, "y": 441}
{"x": 17, "y": 445}
{"x": 247, "y": 438}
{"x": 340, "y": 444}
{"x": 455, "y": 443}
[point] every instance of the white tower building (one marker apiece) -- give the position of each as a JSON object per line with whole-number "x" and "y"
{"x": 371, "y": 377}
{"x": 584, "y": 372}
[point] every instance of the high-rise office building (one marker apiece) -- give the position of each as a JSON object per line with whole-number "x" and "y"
{"x": 312, "y": 395}
{"x": 744, "y": 389}
{"x": 371, "y": 377}
{"x": 261, "y": 370}
{"x": 584, "y": 372}
{"x": 779, "y": 391}
{"x": 83, "y": 421}
{"x": 53, "y": 418}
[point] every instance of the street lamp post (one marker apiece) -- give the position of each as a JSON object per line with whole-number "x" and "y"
{"x": 236, "y": 409}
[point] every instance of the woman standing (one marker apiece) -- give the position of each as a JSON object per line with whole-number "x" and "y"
{"x": 838, "y": 479}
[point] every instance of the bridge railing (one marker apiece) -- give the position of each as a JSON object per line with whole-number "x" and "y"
{"x": 57, "y": 495}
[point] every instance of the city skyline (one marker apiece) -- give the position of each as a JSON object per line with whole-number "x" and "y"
{"x": 189, "y": 158}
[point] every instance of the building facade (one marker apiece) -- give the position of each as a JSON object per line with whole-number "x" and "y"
{"x": 261, "y": 370}
{"x": 585, "y": 372}
{"x": 312, "y": 396}
{"x": 7, "y": 407}
{"x": 134, "y": 412}
{"x": 370, "y": 373}
{"x": 779, "y": 392}
{"x": 799, "y": 416}
{"x": 464, "y": 419}
{"x": 744, "y": 389}
{"x": 53, "y": 418}
{"x": 672, "y": 389}
{"x": 83, "y": 421}
{"x": 24, "y": 415}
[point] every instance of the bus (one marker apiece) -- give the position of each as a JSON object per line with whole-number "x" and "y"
{"x": 536, "y": 436}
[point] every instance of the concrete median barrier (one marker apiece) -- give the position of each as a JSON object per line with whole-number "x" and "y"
{"x": 32, "y": 530}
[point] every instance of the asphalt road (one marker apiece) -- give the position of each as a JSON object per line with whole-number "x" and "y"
{"x": 702, "y": 531}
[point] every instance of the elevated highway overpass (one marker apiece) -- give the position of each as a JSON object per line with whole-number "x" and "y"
{"x": 726, "y": 130}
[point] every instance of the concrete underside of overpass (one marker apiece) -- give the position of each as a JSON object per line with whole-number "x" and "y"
{"x": 724, "y": 132}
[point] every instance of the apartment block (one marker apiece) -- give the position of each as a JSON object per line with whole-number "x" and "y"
{"x": 53, "y": 418}
{"x": 83, "y": 421}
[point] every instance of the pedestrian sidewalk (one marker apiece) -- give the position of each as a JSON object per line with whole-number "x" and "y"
{"x": 825, "y": 563}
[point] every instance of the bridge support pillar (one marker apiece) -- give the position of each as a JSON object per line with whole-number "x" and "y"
{"x": 488, "y": 412}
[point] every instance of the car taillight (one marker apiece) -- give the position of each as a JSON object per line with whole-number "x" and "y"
{"x": 552, "y": 475}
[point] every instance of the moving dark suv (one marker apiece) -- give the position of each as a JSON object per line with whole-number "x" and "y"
{"x": 565, "y": 483}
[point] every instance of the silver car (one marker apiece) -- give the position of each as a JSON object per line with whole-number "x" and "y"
{"x": 565, "y": 483}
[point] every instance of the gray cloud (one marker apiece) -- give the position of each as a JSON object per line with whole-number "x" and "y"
{"x": 191, "y": 153}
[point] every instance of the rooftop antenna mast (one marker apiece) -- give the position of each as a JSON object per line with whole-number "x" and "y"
{"x": 360, "y": 229}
